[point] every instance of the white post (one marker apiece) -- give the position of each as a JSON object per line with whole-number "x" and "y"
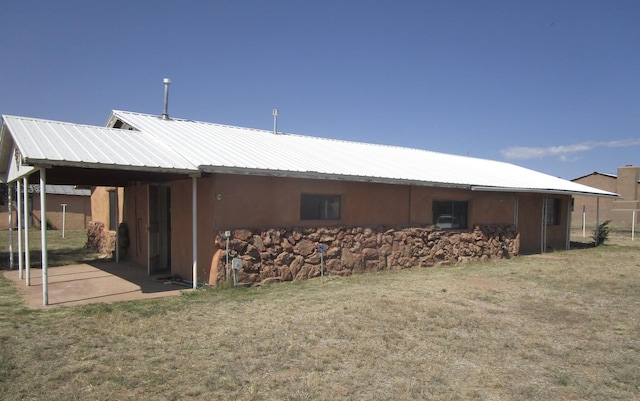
{"x": 117, "y": 227}
{"x": 64, "y": 216}
{"x": 543, "y": 233}
{"x": 19, "y": 213}
{"x": 194, "y": 228}
{"x": 226, "y": 266}
{"x": 27, "y": 257}
{"x": 568, "y": 240}
{"x": 43, "y": 234}
{"x": 597, "y": 221}
{"x": 10, "y": 210}
{"x": 584, "y": 222}
{"x": 118, "y": 245}
{"x": 633, "y": 225}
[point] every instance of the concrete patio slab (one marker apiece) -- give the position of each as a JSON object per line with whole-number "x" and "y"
{"x": 93, "y": 283}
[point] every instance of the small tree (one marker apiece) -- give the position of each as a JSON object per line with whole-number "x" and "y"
{"x": 601, "y": 234}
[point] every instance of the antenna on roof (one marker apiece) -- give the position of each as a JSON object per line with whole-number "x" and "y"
{"x": 275, "y": 121}
{"x": 165, "y": 110}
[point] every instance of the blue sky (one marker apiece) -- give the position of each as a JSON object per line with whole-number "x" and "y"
{"x": 549, "y": 85}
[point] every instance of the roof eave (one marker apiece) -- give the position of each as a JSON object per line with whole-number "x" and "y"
{"x": 65, "y": 163}
{"x": 325, "y": 176}
{"x": 546, "y": 191}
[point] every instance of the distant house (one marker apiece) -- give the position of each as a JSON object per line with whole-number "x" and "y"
{"x": 620, "y": 211}
{"x": 67, "y": 205}
{"x": 197, "y": 195}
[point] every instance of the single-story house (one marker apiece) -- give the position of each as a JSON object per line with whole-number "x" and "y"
{"x": 198, "y": 195}
{"x": 69, "y": 208}
{"x": 621, "y": 211}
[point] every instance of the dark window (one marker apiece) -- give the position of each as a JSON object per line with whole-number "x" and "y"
{"x": 552, "y": 211}
{"x": 319, "y": 207}
{"x": 449, "y": 215}
{"x": 113, "y": 210}
{"x": 4, "y": 194}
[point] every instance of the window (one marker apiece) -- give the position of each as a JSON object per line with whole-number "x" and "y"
{"x": 450, "y": 214}
{"x": 551, "y": 211}
{"x": 319, "y": 207}
{"x": 113, "y": 210}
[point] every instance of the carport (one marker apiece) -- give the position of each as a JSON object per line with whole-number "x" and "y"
{"x": 36, "y": 151}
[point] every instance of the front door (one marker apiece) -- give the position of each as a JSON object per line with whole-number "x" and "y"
{"x": 159, "y": 229}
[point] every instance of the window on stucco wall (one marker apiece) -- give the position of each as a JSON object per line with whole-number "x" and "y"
{"x": 448, "y": 214}
{"x": 319, "y": 207}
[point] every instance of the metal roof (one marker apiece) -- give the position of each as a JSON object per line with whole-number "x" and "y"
{"x": 222, "y": 148}
{"x": 70, "y": 190}
{"x": 55, "y": 143}
{"x": 67, "y": 190}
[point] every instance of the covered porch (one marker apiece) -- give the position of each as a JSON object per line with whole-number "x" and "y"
{"x": 42, "y": 152}
{"x": 93, "y": 282}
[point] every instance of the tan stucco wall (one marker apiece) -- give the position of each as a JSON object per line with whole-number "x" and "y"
{"x": 251, "y": 201}
{"x": 609, "y": 208}
{"x": 228, "y": 202}
{"x": 182, "y": 228}
{"x": 100, "y": 204}
{"x": 77, "y": 216}
{"x": 484, "y": 207}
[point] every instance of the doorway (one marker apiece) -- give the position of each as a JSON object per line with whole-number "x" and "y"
{"x": 159, "y": 229}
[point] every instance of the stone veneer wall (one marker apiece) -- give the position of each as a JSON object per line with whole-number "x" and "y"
{"x": 292, "y": 253}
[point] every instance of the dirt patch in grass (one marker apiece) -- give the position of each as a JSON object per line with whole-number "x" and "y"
{"x": 563, "y": 328}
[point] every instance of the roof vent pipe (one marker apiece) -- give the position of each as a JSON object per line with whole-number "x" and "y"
{"x": 165, "y": 110}
{"x": 275, "y": 121}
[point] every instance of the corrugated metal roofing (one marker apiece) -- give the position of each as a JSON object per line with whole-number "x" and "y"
{"x": 67, "y": 190}
{"x": 221, "y": 148}
{"x": 67, "y": 144}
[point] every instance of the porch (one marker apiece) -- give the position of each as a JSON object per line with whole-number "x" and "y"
{"x": 93, "y": 283}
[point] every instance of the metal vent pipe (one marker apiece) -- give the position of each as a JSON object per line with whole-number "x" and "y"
{"x": 165, "y": 110}
{"x": 275, "y": 121}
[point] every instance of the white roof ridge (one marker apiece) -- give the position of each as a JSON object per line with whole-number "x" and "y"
{"x": 46, "y": 120}
{"x": 295, "y": 135}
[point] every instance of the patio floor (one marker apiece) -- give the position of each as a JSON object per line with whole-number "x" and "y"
{"x": 93, "y": 283}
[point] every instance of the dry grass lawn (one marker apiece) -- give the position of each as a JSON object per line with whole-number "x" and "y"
{"x": 560, "y": 327}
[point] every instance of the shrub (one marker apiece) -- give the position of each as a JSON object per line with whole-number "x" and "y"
{"x": 601, "y": 234}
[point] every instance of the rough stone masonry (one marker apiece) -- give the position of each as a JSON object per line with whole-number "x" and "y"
{"x": 287, "y": 254}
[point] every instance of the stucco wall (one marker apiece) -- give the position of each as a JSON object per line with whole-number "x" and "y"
{"x": 100, "y": 204}
{"x": 251, "y": 201}
{"x": 182, "y": 229}
{"x": 605, "y": 182}
{"x": 77, "y": 216}
{"x": 231, "y": 202}
{"x": 609, "y": 207}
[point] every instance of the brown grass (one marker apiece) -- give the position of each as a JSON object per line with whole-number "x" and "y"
{"x": 62, "y": 251}
{"x": 529, "y": 328}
